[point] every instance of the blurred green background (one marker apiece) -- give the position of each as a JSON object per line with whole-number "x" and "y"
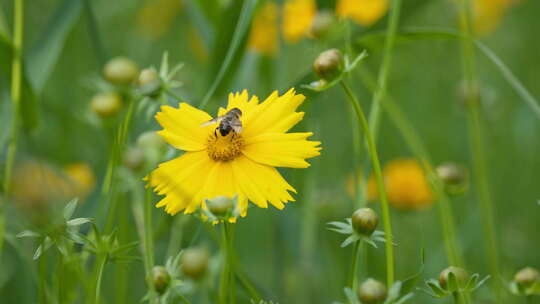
{"x": 289, "y": 254}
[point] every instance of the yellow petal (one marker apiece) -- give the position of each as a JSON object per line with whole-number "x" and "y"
{"x": 275, "y": 115}
{"x": 179, "y": 179}
{"x": 261, "y": 184}
{"x": 240, "y": 101}
{"x": 297, "y": 18}
{"x": 364, "y": 12}
{"x": 281, "y": 149}
{"x": 182, "y": 127}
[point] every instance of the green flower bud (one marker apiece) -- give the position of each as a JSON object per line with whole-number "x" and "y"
{"x": 329, "y": 64}
{"x": 372, "y": 292}
{"x": 149, "y": 82}
{"x": 219, "y": 205}
{"x": 194, "y": 262}
{"x": 454, "y": 177}
{"x": 106, "y": 104}
{"x": 133, "y": 158}
{"x": 121, "y": 71}
{"x": 150, "y": 140}
{"x": 161, "y": 279}
{"x": 365, "y": 221}
{"x": 321, "y": 24}
{"x": 462, "y": 277}
{"x": 527, "y": 276}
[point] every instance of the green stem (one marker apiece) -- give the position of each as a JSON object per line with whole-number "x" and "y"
{"x": 458, "y": 297}
{"x": 380, "y": 93}
{"x": 101, "y": 261}
{"x": 476, "y": 143}
{"x": 16, "y": 83}
{"x": 42, "y": 269}
{"x": 248, "y": 286}
{"x": 227, "y": 287}
{"x": 418, "y": 148}
{"x": 354, "y": 265}
{"x": 372, "y": 150}
{"x": 110, "y": 183}
{"x": 148, "y": 244}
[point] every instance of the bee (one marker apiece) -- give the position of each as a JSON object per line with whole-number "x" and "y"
{"x": 227, "y": 123}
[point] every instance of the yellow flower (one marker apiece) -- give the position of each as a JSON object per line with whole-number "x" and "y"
{"x": 297, "y": 18}
{"x": 263, "y": 37}
{"x": 488, "y": 13}
{"x": 364, "y": 12}
{"x": 235, "y": 164}
{"x": 406, "y": 185}
{"x": 82, "y": 179}
{"x": 157, "y": 16}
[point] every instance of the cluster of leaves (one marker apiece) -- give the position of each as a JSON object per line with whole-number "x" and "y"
{"x": 437, "y": 291}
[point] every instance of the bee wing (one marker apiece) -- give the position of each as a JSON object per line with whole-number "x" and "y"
{"x": 213, "y": 121}
{"x": 236, "y": 125}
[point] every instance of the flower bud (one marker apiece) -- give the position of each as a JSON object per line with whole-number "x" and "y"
{"x": 372, "y": 292}
{"x": 321, "y": 24}
{"x": 462, "y": 276}
{"x": 161, "y": 279}
{"x": 133, "y": 158}
{"x": 365, "y": 221}
{"x": 219, "y": 205}
{"x": 454, "y": 177}
{"x": 195, "y": 262}
{"x": 150, "y": 140}
{"x": 149, "y": 82}
{"x": 527, "y": 277}
{"x": 329, "y": 64}
{"x": 121, "y": 71}
{"x": 106, "y": 104}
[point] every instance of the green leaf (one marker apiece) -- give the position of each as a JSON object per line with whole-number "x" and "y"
{"x": 69, "y": 209}
{"x": 453, "y": 284}
{"x": 79, "y": 221}
{"x": 233, "y": 49}
{"x": 472, "y": 282}
{"x": 38, "y": 252}
{"x": 45, "y": 52}
{"x": 28, "y": 233}
{"x": 435, "y": 288}
{"x": 351, "y": 239}
{"x": 394, "y": 292}
{"x": 350, "y": 295}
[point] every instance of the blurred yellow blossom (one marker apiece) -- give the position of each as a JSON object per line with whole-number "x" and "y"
{"x": 36, "y": 183}
{"x": 487, "y": 14}
{"x": 364, "y": 12}
{"x": 156, "y": 17}
{"x": 297, "y": 18}
{"x": 263, "y": 37}
{"x": 82, "y": 179}
{"x": 406, "y": 184}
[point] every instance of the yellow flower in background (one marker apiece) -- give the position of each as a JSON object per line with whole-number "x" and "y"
{"x": 157, "y": 16}
{"x": 406, "y": 185}
{"x": 297, "y": 18}
{"x": 224, "y": 159}
{"x": 82, "y": 179}
{"x": 353, "y": 182}
{"x": 35, "y": 183}
{"x": 364, "y": 12}
{"x": 487, "y": 14}
{"x": 263, "y": 37}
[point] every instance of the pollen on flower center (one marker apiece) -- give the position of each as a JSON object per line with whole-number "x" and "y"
{"x": 224, "y": 148}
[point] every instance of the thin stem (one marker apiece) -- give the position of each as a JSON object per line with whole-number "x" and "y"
{"x": 110, "y": 184}
{"x": 476, "y": 142}
{"x": 380, "y": 93}
{"x": 354, "y": 265}
{"x": 418, "y": 148}
{"x": 16, "y": 83}
{"x": 372, "y": 150}
{"x": 248, "y": 286}
{"x": 225, "y": 274}
{"x": 42, "y": 289}
{"x": 148, "y": 244}
{"x": 101, "y": 261}
{"x": 458, "y": 297}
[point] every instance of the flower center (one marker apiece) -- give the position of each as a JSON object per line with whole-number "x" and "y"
{"x": 224, "y": 148}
